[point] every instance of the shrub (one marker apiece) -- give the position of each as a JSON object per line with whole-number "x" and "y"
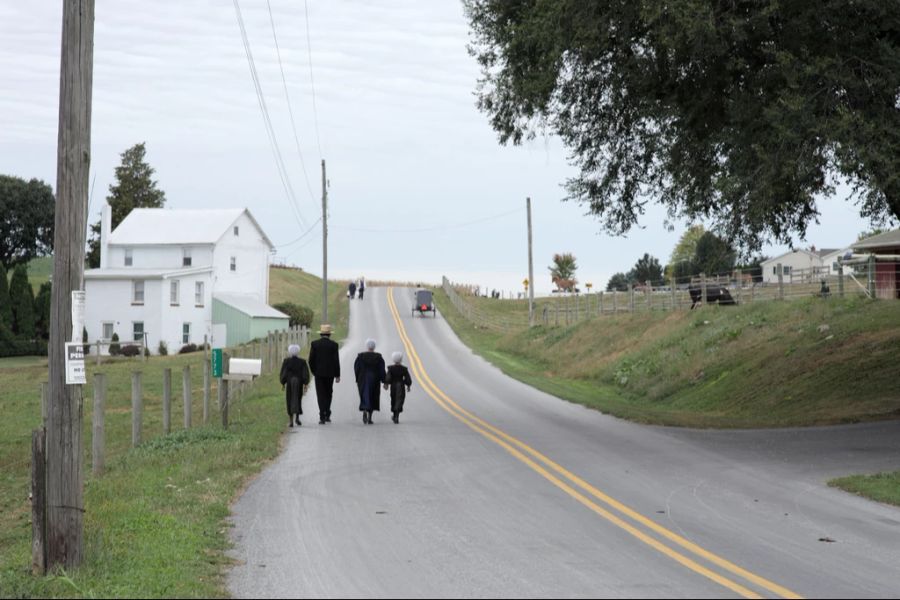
{"x": 114, "y": 348}
{"x": 163, "y": 349}
{"x": 84, "y": 340}
{"x": 188, "y": 348}
{"x": 299, "y": 315}
{"x": 130, "y": 350}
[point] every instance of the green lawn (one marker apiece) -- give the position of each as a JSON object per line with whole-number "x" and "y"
{"x": 39, "y": 271}
{"x": 17, "y": 362}
{"x": 155, "y": 520}
{"x": 299, "y": 287}
{"x": 767, "y": 364}
{"x": 883, "y": 487}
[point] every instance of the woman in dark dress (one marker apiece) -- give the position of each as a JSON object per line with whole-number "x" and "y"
{"x": 294, "y": 380}
{"x": 400, "y": 383}
{"x": 369, "y": 370}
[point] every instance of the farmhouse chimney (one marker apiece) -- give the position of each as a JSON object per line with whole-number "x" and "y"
{"x": 105, "y": 230}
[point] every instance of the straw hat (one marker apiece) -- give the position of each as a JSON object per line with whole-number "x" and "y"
{"x": 325, "y": 329}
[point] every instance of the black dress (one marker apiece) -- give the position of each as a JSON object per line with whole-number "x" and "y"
{"x": 399, "y": 380}
{"x": 294, "y": 375}
{"x": 369, "y": 371}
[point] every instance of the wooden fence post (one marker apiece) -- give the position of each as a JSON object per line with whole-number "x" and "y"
{"x": 137, "y": 408}
{"x": 186, "y": 393}
{"x": 600, "y": 303}
{"x": 167, "y": 401}
{"x": 740, "y": 286}
{"x": 39, "y": 501}
{"x": 206, "y": 390}
{"x": 841, "y": 280}
{"x": 703, "y": 299}
{"x": 45, "y": 402}
{"x": 223, "y": 392}
{"x": 780, "y": 281}
{"x": 98, "y": 439}
{"x": 615, "y": 301}
{"x": 649, "y": 295}
{"x": 674, "y": 295}
{"x": 870, "y": 267}
{"x": 631, "y": 296}
{"x": 98, "y": 352}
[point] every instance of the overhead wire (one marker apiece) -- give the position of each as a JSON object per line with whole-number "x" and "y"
{"x": 288, "y": 97}
{"x": 303, "y": 235}
{"x": 267, "y": 121}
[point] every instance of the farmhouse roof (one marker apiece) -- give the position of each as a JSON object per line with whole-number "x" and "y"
{"x": 155, "y": 226}
{"x": 130, "y": 273}
{"x": 795, "y": 251}
{"x": 249, "y": 305}
{"x": 888, "y": 239}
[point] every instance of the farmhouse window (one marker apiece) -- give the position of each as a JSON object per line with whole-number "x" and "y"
{"x": 236, "y": 231}
{"x": 186, "y": 259}
{"x": 233, "y": 263}
{"x": 173, "y": 293}
{"x": 107, "y": 330}
{"x": 138, "y": 331}
{"x": 138, "y": 297}
{"x": 129, "y": 257}
{"x": 198, "y": 293}
{"x": 186, "y": 333}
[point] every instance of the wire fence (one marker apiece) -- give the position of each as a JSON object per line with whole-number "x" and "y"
{"x": 866, "y": 277}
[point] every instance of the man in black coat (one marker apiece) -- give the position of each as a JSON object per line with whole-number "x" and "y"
{"x": 325, "y": 364}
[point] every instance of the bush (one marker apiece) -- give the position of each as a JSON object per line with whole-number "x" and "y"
{"x": 299, "y": 315}
{"x": 130, "y": 350}
{"x": 147, "y": 352}
{"x": 114, "y": 348}
{"x": 84, "y": 340}
{"x": 163, "y": 349}
{"x": 188, "y": 348}
{"x": 10, "y": 346}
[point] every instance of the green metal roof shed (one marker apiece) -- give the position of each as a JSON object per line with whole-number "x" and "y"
{"x": 246, "y": 318}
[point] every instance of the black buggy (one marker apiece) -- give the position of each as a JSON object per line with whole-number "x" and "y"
{"x": 424, "y": 303}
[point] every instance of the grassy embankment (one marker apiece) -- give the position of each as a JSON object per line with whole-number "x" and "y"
{"x": 883, "y": 487}
{"x": 155, "y": 521}
{"x": 767, "y": 364}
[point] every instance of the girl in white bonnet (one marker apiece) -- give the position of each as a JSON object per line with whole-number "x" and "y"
{"x": 400, "y": 383}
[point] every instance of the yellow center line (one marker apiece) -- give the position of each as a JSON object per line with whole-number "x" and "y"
{"x": 519, "y": 449}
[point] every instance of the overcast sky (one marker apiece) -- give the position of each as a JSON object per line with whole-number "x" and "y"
{"x": 411, "y": 162}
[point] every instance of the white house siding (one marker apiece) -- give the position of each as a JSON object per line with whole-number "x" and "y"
{"x": 110, "y": 300}
{"x": 829, "y": 260}
{"x": 252, "y": 255}
{"x": 799, "y": 259}
{"x": 174, "y": 317}
{"x": 159, "y": 256}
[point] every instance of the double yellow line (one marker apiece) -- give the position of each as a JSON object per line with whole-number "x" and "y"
{"x": 588, "y": 495}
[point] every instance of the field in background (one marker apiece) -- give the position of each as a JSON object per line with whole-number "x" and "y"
{"x": 769, "y": 364}
{"x": 294, "y": 285}
{"x": 155, "y": 521}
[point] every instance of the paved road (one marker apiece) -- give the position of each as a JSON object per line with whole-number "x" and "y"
{"x": 489, "y": 488}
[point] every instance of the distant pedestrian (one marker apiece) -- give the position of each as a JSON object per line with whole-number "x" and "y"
{"x": 325, "y": 364}
{"x": 362, "y": 288}
{"x": 369, "y": 371}
{"x": 295, "y": 381}
{"x": 352, "y": 289}
{"x": 399, "y": 382}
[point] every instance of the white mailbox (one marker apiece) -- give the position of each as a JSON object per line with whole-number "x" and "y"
{"x": 244, "y": 368}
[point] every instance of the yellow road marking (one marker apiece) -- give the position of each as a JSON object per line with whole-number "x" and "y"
{"x": 509, "y": 443}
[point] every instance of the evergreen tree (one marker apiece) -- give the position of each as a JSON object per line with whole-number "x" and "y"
{"x": 714, "y": 256}
{"x": 6, "y": 311}
{"x": 22, "y": 302}
{"x": 42, "y": 311}
{"x": 134, "y": 188}
{"x": 618, "y": 282}
{"x": 647, "y": 268}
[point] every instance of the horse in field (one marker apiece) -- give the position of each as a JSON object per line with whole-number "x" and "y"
{"x": 715, "y": 294}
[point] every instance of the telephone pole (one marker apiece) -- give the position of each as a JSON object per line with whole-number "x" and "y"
{"x": 324, "y": 245}
{"x": 530, "y": 269}
{"x": 65, "y": 479}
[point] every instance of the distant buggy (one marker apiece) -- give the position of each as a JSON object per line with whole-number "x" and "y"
{"x": 424, "y": 303}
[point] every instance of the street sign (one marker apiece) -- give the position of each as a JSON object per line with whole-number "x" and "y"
{"x": 217, "y": 362}
{"x": 75, "y": 371}
{"x": 589, "y": 285}
{"x": 525, "y": 282}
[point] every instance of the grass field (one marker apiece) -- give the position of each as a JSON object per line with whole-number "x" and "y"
{"x": 883, "y": 487}
{"x": 769, "y": 364}
{"x": 294, "y": 285}
{"x": 155, "y": 521}
{"x": 39, "y": 271}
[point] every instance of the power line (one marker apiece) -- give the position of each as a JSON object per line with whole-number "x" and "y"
{"x": 288, "y": 97}
{"x": 312, "y": 81}
{"x": 267, "y": 121}
{"x": 436, "y": 228}
{"x": 305, "y": 233}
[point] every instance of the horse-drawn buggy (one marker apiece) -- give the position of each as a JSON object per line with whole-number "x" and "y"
{"x": 424, "y": 303}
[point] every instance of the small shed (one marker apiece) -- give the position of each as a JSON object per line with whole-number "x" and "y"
{"x": 246, "y": 318}
{"x": 886, "y": 248}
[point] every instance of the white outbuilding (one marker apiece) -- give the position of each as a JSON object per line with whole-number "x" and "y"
{"x": 162, "y": 272}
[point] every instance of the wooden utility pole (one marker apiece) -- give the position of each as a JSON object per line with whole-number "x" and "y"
{"x": 324, "y": 245}
{"x": 65, "y": 483}
{"x": 530, "y": 269}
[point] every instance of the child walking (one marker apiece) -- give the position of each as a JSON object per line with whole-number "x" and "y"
{"x": 399, "y": 381}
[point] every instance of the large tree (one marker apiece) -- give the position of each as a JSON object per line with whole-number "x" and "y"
{"x": 42, "y": 305}
{"x": 713, "y": 255}
{"x": 6, "y": 311}
{"x": 681, "y": 260}
{"x": 562, "y": 271}
{"x": 618, "y": 283}
{"x": 738, "y": 111}
{"x": 26, "y": 220}
{"x": 134, "y": 188}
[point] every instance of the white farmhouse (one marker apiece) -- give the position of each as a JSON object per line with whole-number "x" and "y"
{"x": 804, "y": 264}
{"x": 165, "y": 274}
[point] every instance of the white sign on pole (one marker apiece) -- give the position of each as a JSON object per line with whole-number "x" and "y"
{"x": 75, "y": 371}
{"x": 77, "y": 314}
{"x": 219, "y": 335}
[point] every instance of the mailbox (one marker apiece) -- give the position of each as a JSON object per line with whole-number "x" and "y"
{"x": 244, "y": 368}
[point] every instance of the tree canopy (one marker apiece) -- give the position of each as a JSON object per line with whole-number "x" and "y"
{"x": 617, "y": 283}
{"x": 134, "y": 188}
{"x": 6, "y": 311}
{"x": 647, "y": 268}
{"x": 742, "y": 113}
{"x": 27, "y": 212}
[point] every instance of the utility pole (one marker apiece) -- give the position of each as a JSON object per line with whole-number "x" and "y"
{"x": 530, "y": 269}
{"x": 65, "y": 479}
{"x": 324, "y": 245}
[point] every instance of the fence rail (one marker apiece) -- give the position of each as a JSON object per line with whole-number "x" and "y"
{"x": 737, "y": 287}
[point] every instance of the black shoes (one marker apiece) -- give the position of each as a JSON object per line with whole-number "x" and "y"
{"x": 291, "y": 423}
{"x": 365, "y": 418}
{"x": 396, "y": 418}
